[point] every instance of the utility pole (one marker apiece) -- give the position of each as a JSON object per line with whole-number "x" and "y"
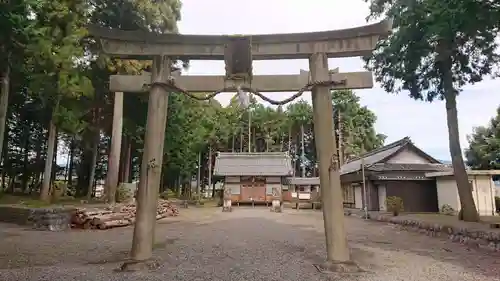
{"x": 198, "y": 183}
{"x": 241, "y": 139}
{"x": 364, "y": 181}
{"x": 210, "y": 167}
{"x": 303, "y": 154}
{"x": 249, "y": 130}
{"x": 232, "y": 144}
{"x": 341, "y": 141}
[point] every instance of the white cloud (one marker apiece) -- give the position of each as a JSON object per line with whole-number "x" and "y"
{"x": 398, "y": 116}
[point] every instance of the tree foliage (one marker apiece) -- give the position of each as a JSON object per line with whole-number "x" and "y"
{"x": 59, "y": 85}
{"x": 483, "y": 152}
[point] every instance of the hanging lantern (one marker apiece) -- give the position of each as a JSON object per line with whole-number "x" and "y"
{"x": 243, "y": 98}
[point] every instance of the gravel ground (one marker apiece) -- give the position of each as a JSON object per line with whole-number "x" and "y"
{"x": 247, "y": 244}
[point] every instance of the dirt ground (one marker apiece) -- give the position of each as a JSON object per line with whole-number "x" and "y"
{"x": 247, "y": 244}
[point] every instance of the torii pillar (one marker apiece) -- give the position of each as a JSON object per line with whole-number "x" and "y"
{"x": 114, "y": 154}
{"x": 329, "y": 175}
{"x": 152, "y": 159}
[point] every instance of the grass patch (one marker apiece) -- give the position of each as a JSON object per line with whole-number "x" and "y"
{"x": 436, "y": 217}
{"x": 210, "y": 203}
{"x": 34, "y": 202}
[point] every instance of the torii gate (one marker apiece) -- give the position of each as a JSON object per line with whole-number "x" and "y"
{"x": 238, "y": 53}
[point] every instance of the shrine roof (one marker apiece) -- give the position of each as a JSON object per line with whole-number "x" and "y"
{"x": 253, "y": 164}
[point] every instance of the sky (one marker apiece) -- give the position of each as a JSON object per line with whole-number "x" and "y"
{"x": 398, "y": 116}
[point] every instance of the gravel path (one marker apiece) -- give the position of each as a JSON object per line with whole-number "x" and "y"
{"x": 247, "y": 244}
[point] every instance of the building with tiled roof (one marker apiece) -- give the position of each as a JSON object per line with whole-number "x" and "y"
{"x": 402, "y": 169}
{"x": 253, "y": 177}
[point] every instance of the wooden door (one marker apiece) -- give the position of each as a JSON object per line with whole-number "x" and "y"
{"x": 253, "y": 189}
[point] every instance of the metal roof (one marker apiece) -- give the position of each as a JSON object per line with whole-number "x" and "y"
{"x": 253, "y": 164}
{"x": 302, "y": 181}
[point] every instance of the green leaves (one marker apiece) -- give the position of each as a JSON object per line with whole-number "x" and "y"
{"x": 426, "y": 32}
{"x": 483, "y": 152}
{"x": 357, "y": 124}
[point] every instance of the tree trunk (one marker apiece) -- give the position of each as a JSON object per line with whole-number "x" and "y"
{"x": 93, "y": 165}
{"x": 66, "y": 169}
{"x": 127, "y": 159}
{"x": 36, "y": 175}
{"x": 54, "y": 157}
{"x": 83, "y": 168}
{"x": 123, "y": 151}
{"x": 71, "y": 162}
{"x": 4, "y": 103}
{"x": 468, "y": 207}
{"x": 198, "y": 177}
{"x": 96, "y": 141}
{"x": 26, "y": 171}
{"x": 5, "y": 156}
{"x": 49, "y": 159}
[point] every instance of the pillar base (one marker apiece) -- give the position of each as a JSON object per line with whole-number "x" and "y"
{"x": 276, "y": 206}
{"x": 133, "y": 265}
{"x": 227, "y": 206}
{"x": 339, "y": 267}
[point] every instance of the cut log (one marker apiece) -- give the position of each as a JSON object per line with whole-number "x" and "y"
{"x": 88, "y": 224}
{"x": 95, "y": 213}
{"x": 110, "y": 217}
{"x": 116, "y": 215}
{"x": 115, "y": 223}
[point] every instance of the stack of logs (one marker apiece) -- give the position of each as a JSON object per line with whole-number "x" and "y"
{"x": 120, "y": 215}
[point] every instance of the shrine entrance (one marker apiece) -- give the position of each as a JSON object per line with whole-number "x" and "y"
{"x": 238, "y": 52}
{"x": 253, "y": 189}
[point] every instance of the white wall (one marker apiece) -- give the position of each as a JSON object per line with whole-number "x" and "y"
{"x": 408, "y": 156}
{"x": 358, "y": 200}
{"x": 482, "y": 192}
{"x": 447, "y": 193}
{"x": 484, "y": 195}
{"x": 381, "y": 198}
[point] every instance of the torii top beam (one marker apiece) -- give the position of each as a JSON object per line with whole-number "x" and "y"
{"x": 262, "y": 83}
{"x": 358, "y": 41}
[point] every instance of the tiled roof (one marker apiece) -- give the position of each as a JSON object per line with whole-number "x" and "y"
{"x": 380, "y": 167}
{"x": 373, "y": 156}
{"x": 253, "y": 164}
{"x": 377, "y": 155}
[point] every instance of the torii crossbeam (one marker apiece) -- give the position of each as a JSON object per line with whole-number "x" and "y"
{"x": 263, "y": 83}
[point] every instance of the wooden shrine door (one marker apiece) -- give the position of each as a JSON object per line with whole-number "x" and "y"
{"x": 253, "y": 189}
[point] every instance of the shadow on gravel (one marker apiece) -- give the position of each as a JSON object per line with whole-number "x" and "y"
{"x": 390, "y": 238}
{"x": 113, "y": 258}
